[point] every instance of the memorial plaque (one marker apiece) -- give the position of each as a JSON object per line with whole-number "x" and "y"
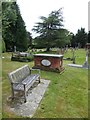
{"x": 46, "y": 62}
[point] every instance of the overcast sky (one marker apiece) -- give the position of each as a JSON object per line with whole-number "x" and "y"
{"x": 75, "y": 12}
{"x": 89, "y": 16}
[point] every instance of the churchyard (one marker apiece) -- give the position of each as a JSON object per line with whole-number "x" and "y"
{"x": 66, "y": 95}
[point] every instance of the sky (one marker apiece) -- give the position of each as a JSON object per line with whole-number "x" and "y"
{"x": 89, "y": 16}
{"x": 75, "y": 12}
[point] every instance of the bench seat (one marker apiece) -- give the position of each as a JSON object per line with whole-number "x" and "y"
{"x": 28, "y": 82}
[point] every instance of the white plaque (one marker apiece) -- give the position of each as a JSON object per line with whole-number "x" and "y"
{"x": 45, "y": 62}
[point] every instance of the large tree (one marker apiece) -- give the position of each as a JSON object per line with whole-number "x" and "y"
{"x": 21, "y": 35}
{"x": 8, "y": 22}
{"x": 51, "y": 33}
{"x": 89, "y": 37}
{"x": 30, "y": 39}
{"x": 80, "y": 38}
{"x": 13, "y": 27}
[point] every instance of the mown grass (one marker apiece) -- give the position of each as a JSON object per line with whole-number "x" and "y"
{"x": 0, "y": 80}
{"x": 79, "y": 55}
{"x": 66, "y": 96}
{"x": 0, "y": 89}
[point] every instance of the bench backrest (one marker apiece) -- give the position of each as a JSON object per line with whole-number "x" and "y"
{"x": 19, "y": 74}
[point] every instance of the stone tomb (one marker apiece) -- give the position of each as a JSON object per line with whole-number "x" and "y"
{"x": 51, "y": 62}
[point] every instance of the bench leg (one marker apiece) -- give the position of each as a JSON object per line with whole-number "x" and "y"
{"x": 39, "y": 80}
{"x": 24, "y": 96}
{"x": 12, "y": 93}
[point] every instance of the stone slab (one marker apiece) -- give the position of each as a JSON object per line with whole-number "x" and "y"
{"x": 34, "y": 97}
{"x": 77, "y": 66}
{"x": 49, "y": 55}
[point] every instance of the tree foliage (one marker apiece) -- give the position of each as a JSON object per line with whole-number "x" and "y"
{"x": 80, "y": 38}
{"x": 89, "y": 37}
{"x": 8, "y": 21}
{"x": 13, "y": 27}
{"x": 30, "y": 39}
{"x": 51, "y": 32}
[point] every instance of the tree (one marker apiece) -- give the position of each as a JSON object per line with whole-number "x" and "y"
{"x": 73, "y": 41}
{"x": 21, "y": 35}
{"x": 65, "y": 38}
{"x": 51, "y": 33}
{"x": 30, "y": 39}
{"x": 80, "y": 37}
{"x": 14, "y": 31}
{"x": 8, "y": 21}
{"x": 89, "y": 37}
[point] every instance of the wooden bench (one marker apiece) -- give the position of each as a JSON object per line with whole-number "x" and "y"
{"x": 22, "y": 79}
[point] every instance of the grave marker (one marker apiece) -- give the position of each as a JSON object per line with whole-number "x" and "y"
{"x": 50, "y": 62}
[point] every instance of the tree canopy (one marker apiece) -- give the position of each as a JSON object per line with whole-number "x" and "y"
{"x": 51, "y": 31}
{"x": 13, "y": 27}
{"x": 89, "y": 37}
{"x": 81, "y": 38}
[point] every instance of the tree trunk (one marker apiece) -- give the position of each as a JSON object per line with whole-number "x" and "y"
{"x": 48, "y": 49}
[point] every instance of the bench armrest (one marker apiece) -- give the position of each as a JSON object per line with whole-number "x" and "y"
{"x": 35, "y": 69}
{"x": 24, "y": 84}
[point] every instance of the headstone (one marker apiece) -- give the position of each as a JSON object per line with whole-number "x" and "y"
{"x": 58, "y": 51}
{"x": 73, "y": 55}
{"x": 14, "y": 48}
{"x": 66, "y": 48}
{"x": 86, "y": 61}
{"x": 62, "y": 50}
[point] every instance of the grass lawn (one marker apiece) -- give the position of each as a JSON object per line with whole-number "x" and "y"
{"x": 0, "y": 89}
{"x": 66, "y": 96}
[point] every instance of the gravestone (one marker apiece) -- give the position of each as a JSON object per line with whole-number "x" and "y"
{"x": 73, "y": 55}
{"x": 14, "y": 48}
{"x": 60, "y": 51}
{"x": 86, "y": 61}
{"x": 66, "y": 48}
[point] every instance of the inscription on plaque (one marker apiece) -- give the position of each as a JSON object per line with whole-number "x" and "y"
{"x": 46, "y": 62}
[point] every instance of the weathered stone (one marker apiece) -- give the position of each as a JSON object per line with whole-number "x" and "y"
{"x": 33, "y": 100}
